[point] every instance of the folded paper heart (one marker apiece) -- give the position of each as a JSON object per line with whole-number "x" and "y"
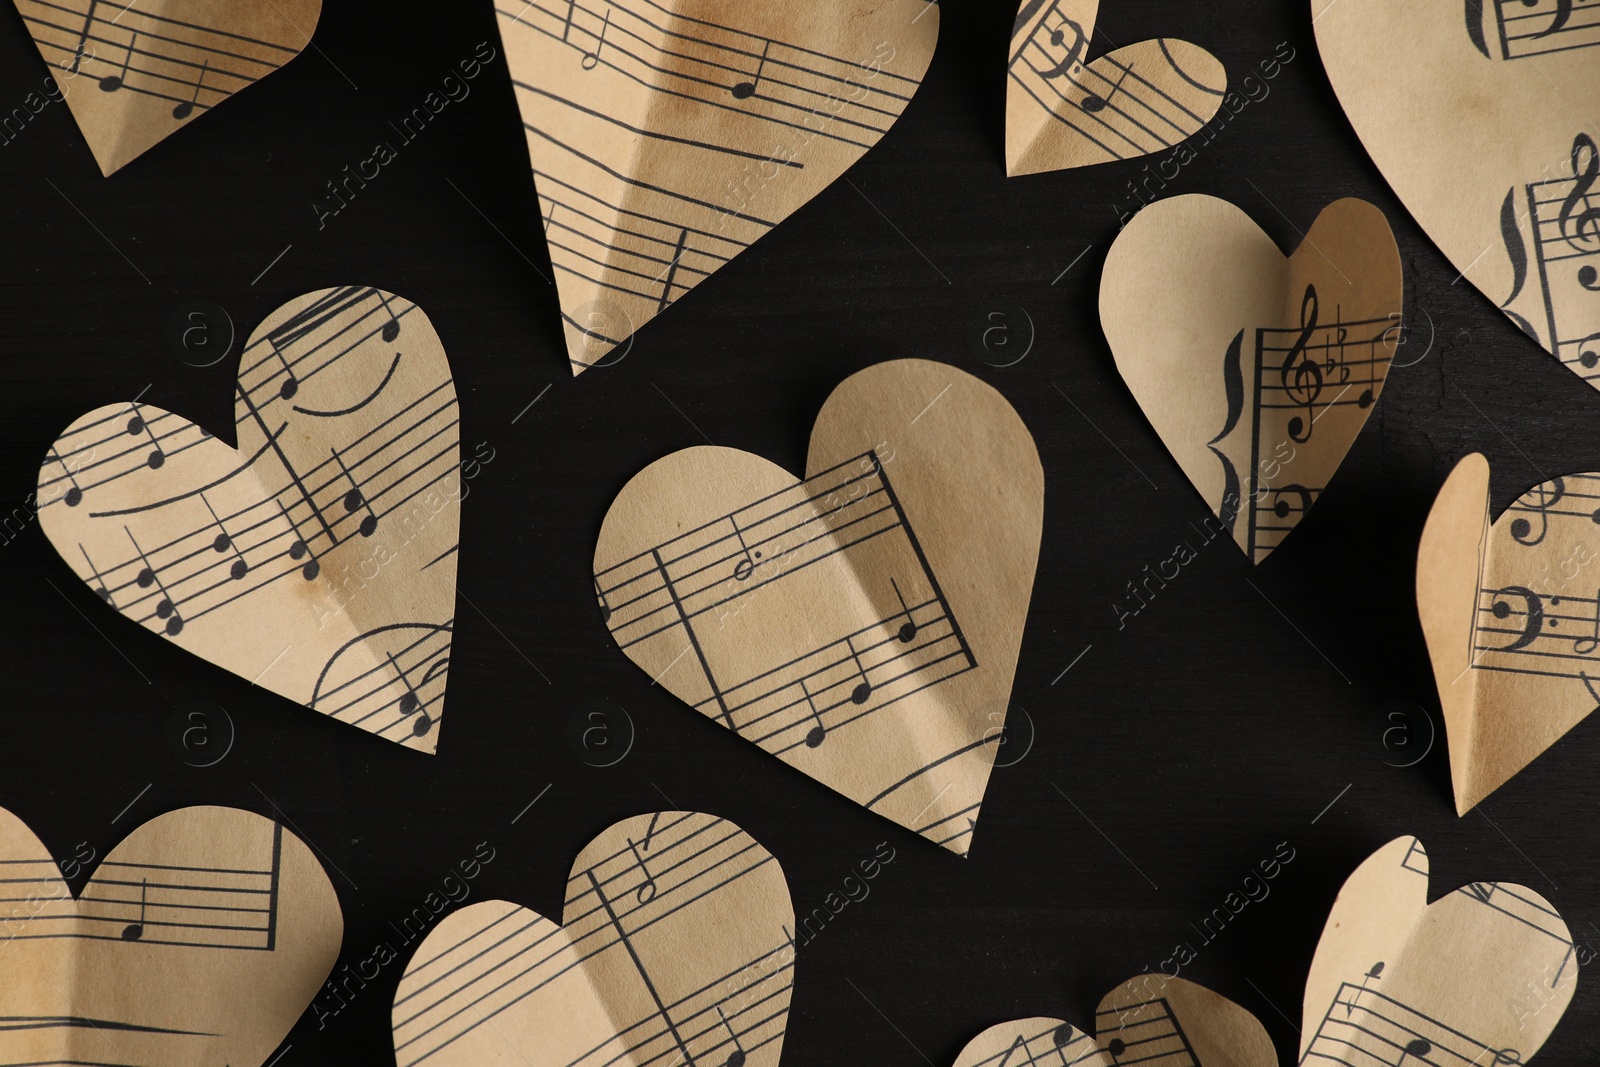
{"x": 1511, "y": 613}
{"x": 1484, "y": 127}
{"x": 199, "y": 941}
{"x": 667, "y": 136}
{"x": 131, "y": 73}
{"x": 1152, "y": 1019}
{"x": 317, "y": 559}
{"x": 1480, "y": 976}
{"x": 861, "y": 624}
{"x": 1064, "y": 110}
{"x": 676, "y": 947}
{"x": 1258, "y": 372}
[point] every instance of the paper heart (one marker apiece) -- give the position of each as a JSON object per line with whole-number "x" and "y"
{"x": 1064, "y": 110}
{"x": 862, "y": 625}
{"x": 317, "y": 560}
{"x": 667, "y": 136}
{"x": 677, "y": 947}
{"x": 199, "y": 941}
{"x": 1258, "y": 372}
{"x": 1510, "y": 612}
{"x": 132, "y": 73}
{"x": 1482, "y": 126}
{"x": 1480, "y": 976}
{"x": 1151, "y": 1019}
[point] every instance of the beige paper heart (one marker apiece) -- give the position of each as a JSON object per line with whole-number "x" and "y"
{"x": 676, "y": 946}
{"x": 1153, "y": 1020}
{"x": 667, "y": 136}
{"x": 199, "y": 941}
{"x": 1064, "y": 110}
{"x": 1480, "y": 976}
{"x": 132, "y": 72}
{"x": 318, "y": 559}
{"x": 1484, "y": 127}
{"x": 862, "y": 625}
{"x": 1511, "y": 613}
{"x": 1258, "y": 372}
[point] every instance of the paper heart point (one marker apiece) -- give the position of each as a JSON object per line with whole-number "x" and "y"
{"x": 1064, "y": 110}
{"x": 1482, "y": 975}
{"x": 199, "y": 940}
{"x": 1483, "y": 126}
{"x": 1149, "y": 1019}
{"x": 317, "y": 559}
{"x": 132, "y": 73}
{"x": 677, "y": 947}
{"x": 1257, "y": 371}
{"x": 1511, "y": 613}
{"x": 667, "y": 136}
{"x": 861, "y": 624}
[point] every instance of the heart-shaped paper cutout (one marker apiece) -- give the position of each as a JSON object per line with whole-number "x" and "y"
{"x": 676, "y": 946}
{"x": 1258, "y": 372}
{"x": 132, "y": 72}
{"x": 1480, "y": 976}
{"x": 317, "y": 560}
{"x": 1511, "y": 613}
{"x": 862, "y": 625}
{"x": 199, "y": 941}
{"x": 1064, "y": 110}
{"x": 1152, "y": 1020}
{"x": 1484, "y": 127}
{"x": 667, "y": 136}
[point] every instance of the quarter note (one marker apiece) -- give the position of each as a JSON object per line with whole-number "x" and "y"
{"x": 73, "y": 496}
{"x": 818, "y": 733}
{"x": 1094, "y": 103}
{"x": 391, "y": 329}
{"x": 135, "y": 931}
{"x": 223, "y": 542}
{"x": 591, "y": 60}
{"x": 112, "y": 82}
{"x": 1376, "y": 971}
{"x": 166, "y": 607}
{"x": 746, "y": 89}
{"x": 863, "y": 689}
{"x": 1417, "y": 1047}
{"x": 736, "y": 1057}
{"x": 605, "y": 605}
{"x": 100, "y": 582}
{"x": 410, "y": 704}
{"x": 291, "y": 384}
{"x": 185, "y": 108}
{"x": 908, "y": 629}
{"x": 136, "y": 426}
{"x": 354, "y": 501}
{"x": 298, "y": 548}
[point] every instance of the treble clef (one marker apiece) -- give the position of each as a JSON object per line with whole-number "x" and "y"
{"x": 1301, "y": 375}
{"x": 1578, "y": 227}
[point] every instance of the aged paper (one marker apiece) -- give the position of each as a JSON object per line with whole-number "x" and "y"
{"x": 1152, "y": 1020}
{"x": 677, "y": 946}
{"x": 1480, "y": 976}
{"x": 1258, "y": 372}
{"x": 199, "y": 940}
{"x": 318, "y": 559}
{"x": 861, "y": 624}
{"x": 667, "y": 136}
{"x": 1484, "y": 125}
{"x": 1511, "y": 613}
{"x": 132, "y": 72}
{"x": 1064, "y": 110}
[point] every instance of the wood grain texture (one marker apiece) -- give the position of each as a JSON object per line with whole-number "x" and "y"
{"x": 1215, "y": 722}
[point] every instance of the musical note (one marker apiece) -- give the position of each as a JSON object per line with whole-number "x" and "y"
{"x": 299, "y": 548}
{"x": 136, "y": 426}
{"x": 1301, "y": 375}
{"x": 1417, "y": 1047}
{"x": 135, "y": 931}
{"x": 747, "y": 562}
{"x": 605, "y": 605}
{"x": 1376, "y": 971}
{"x": 391, "y": 329}
{"x": 166, "y": 607}
{"x": 410, "y": 703}
{"x": 746, "y": 89}
{"x": 818, "y": 733}
{"x": 354, "y": 500}
{"x": 99, "y": 579}
{"x": 646, "y": 891}
{"x": 223, "y": 542}
{"x": 592, "y": 59}
{"x": 863, "y": 689}
{"x": 83, "y": 38}
{"x": 185, "y": 108}
{"x": 73, "y": 496}
{"x": 735, "y": 1058}
{"x": 908, "y": 629}
{"x": 1094, "y": 103}
{"x": 112, "y": 82}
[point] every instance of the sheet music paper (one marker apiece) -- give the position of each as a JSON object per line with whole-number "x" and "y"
{"x": 1064, "y": 110}
{"x": 1258, "y": 372}
{"x": 677, "y": 946}
{"x": 1152, "y": 1020}
{"x": 861, "y": 624}
{"x": 1480, "y": 976}
{"x": 1483, "y": 125}
{"x": 199, "y": 940}
{"x": 318, "y": 559}
{"x": 667, "y": 136}
{"x": 132, "y": 72}
{"x": 1511, "y": 613}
